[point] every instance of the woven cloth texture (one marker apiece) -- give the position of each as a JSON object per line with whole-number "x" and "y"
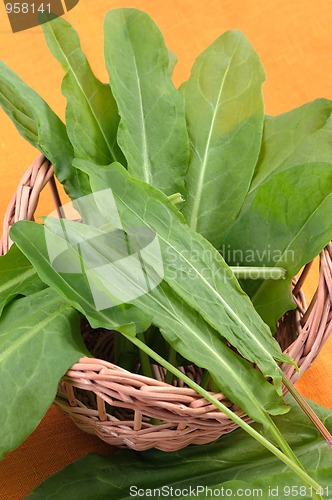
{"x": 294, "y": 42}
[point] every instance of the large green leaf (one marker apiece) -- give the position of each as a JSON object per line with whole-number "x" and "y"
{"x": 181, "y": 326}
{"x": 17, "y": 277}
{"x": 91, "y": 115}
{"x": 39, "y": 125}
{"x": 224, "y": 111}
{"x": 280, "y": 229}
{"x": 152, "y": 132}
{"x": 39, "y": 340}
{"x": 233, "y": 462}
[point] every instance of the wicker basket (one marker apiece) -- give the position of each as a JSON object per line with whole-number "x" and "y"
{"x": 149, "y": 413}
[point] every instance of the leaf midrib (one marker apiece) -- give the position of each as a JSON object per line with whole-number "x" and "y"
{"x": 108, "y": 144}
{"x": 146, "y": 162}
{"x": 199, "y": 189}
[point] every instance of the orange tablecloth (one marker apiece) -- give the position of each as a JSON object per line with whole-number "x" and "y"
{"x": 294, "y": 42}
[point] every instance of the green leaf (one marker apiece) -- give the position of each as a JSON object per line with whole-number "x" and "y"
{"x": 91, "y": 115}
{"x": 39, "y": 340}
{"x": 224, "y": 111}
{"x": 234, "y": 461}
{"x": 39, "y": 125}
{"x": 280, "y": 229}
{"x": 17, "y": 277}
{"x": 300, "y": 136}
{"x": 74, "y": 287}
{"x": 152, "y": 132}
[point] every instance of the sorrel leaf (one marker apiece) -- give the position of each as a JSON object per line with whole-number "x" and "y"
{"x": 39, "y": 340}
{"x": 91, "y": 114}
{"x": 224, "y": 112}
{"x": 182, "y": 327}
{"x": 152, "y": 132}
{"x": 280, "y": 229}
{"x": 234, "y": 461}
{"x": 192, "y": 266}
{"x": 17, "y": 277}
{"x": 40, "y": 126}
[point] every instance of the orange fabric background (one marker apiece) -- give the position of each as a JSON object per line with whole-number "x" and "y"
{"x": 294, "y": 42}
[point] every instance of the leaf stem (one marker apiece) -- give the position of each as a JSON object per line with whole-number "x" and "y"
{"x": 255, "y": 273}
{"x": 171, "y": 359}
{"x": 307, "y": 410}
{"x": 290, "y": 461}
{"x": 176, "y": 198}
{"x": 204, "y": 383}
{"x": 144, "y": 358}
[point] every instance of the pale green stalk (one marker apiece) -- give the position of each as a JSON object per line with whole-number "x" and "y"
{"x": 247, "y": 272}
{"x": 308, "y": 410}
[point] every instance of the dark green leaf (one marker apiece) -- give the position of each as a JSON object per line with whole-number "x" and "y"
{"x": 91, "y": 115}
{"x": 39, "y": 340}
{"x": 234, "y": 461}
{"x": 17, "y": 277}
{"x": 152, "y": 132}
{"x": 224, "y": 111}
{"x": 39, "y": 125}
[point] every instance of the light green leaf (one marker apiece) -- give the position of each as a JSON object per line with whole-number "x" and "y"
{"x": 17, "y": 277}
{"x": 192, "y": 266}
{"x": 280, "y": 229}
{"x": 39, "y": 125}
{"x": 224, "y": 111}
{"x": 152, "y": 132}
{"x": 39, "y": 340}
{"x": 234, "y": 461}
{"x": 91, "y": 115}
